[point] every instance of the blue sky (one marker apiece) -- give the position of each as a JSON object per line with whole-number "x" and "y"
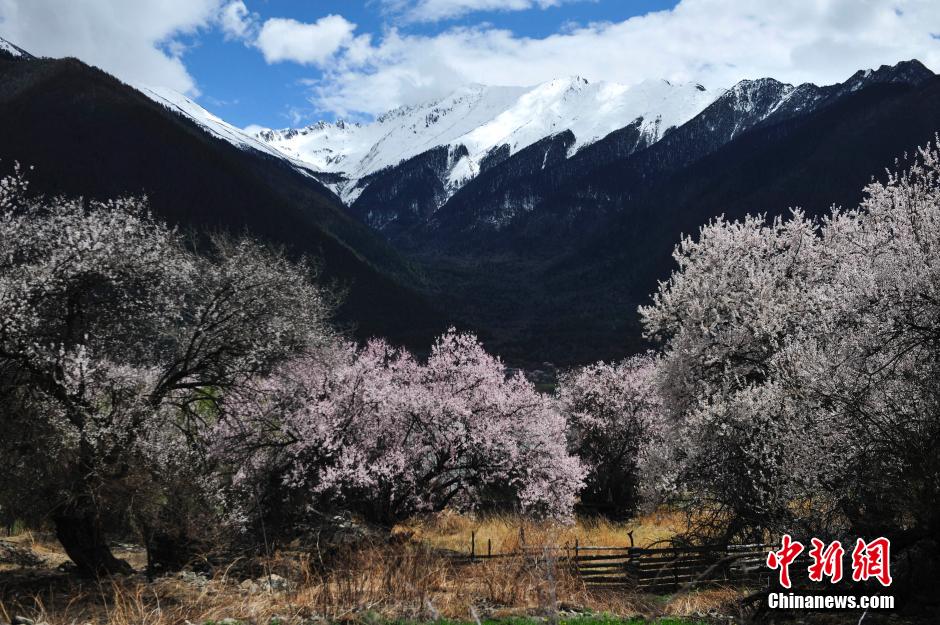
{"x": 280, "y": 63}
{"x": 238, "y": 84}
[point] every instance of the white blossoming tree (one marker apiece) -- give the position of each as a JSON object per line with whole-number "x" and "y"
{"x": 801, "y": 363}
{"x": 614, "y": 418}
{"x": 116, "y": 342}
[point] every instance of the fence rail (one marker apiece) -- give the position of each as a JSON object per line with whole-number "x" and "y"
{"x": 651, "y": 570}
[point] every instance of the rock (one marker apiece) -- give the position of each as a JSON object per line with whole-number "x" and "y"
{"x": 344, "y": 531}
{"x": 191, "y": 577}
{"x": 267, "y": 583}
{"x": 274, "y": 583}
{"x": 18, "y": 555}
{"x": 249, "y": 586}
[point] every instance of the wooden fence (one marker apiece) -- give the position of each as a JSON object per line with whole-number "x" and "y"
{"x": 651, "y": 570}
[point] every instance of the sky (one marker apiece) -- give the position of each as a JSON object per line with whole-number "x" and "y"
{"x": 279, "y": 63}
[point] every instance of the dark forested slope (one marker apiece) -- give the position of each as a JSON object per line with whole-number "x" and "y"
{"x": 562, "y": 282}
{"x": 86, "y": 133}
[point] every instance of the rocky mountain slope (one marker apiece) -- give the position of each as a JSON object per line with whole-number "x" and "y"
{"x": 477, "y": 122}
{"x": 579, "y": 189}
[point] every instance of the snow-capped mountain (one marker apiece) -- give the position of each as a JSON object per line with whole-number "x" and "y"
{"x": 415, "y": 164}
{"x": 536, "y": 187}
{"x": 540, "y": 217}
{"x": 11, "y": 50}
{"x": 213, "y": 124}
{"x": 476, "y": 120}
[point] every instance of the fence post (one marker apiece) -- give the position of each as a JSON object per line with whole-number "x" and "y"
{"x": 576, "y": 549}
{"x": 473, "y": 545}
{"x": 489, "y": 547}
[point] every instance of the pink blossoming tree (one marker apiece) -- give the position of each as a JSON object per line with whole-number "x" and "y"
{"x": 374, "y": 430}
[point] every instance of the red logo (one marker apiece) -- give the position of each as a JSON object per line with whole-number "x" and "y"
{"x": 869, "y": 560}
{"x": 784, "y": 558}
{"x": 872, "y": 560}
{"x": 826, "y": 561}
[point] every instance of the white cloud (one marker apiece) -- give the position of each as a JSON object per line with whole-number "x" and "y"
{"x": 236, "y": 21}
{"x": 436, "y": 10}
{"x": 716, "y": 42}
{"x": 135, "y": 41}
{"x": 253, "y": 129}
{"x": 284, "y": 39}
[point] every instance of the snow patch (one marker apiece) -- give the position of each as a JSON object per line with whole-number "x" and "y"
{"x": 481, "y": 118}
{"x": 9, "y": 48}
{"x": 212, "y": 124}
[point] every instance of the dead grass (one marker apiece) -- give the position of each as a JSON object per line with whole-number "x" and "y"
{"x": 720, "y": 600}
{"x": 388, "y": 582}
{"x": 505, "y": 532}
{"x": 412, "y": 579}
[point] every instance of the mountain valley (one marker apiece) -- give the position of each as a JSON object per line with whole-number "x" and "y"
{"x": 538, "y": 217}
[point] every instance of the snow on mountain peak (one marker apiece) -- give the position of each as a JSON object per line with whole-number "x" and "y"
{"x": 13, "y": 50}
{"x": 471, "y": 122}
{"x": 9, "y": 48}
{"x": 214, "y": 125}
{"x": 482, "y": 118}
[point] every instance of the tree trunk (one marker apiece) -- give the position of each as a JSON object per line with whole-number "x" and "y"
{"x": 169, "y": 550}
{"x": 80, "y": 533}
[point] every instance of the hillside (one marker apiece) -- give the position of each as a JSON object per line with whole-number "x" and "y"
{"x": 563, "y": 281}
{"x": 86, "y": 133}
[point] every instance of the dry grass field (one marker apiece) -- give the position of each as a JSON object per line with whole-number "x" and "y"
{"x": 505, "y": 532}
{"x": 411, "y": 578}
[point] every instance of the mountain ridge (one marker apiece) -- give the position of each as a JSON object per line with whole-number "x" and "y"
{"x": 402, "y": 185}
{"x": 545, "y": 250}
{"x": 484, "y": 118}
{"x": 432, "y": 187}
{"x": 85, "y": 133}
{"x": 600, "y": 177}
